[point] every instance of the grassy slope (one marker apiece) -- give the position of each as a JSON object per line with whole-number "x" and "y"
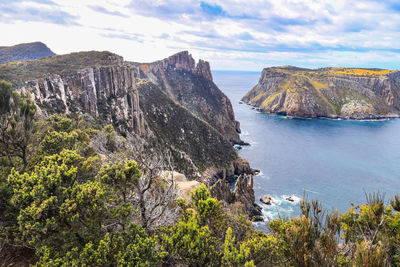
{"x": 17, "y": 72}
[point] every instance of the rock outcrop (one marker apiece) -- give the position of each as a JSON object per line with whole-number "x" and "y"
{"x": 327, "y": 93}
{"x": 191, "y": 85}
{"x": 243, "y": 192}
{"x": 266, "y": 199}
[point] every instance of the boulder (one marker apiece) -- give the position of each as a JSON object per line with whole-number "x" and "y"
{"x": 266, "y": 199}
{"x": 290, "y": 199}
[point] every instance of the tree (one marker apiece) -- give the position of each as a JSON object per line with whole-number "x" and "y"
{"x": 16, "y": 123}
{"x": 191, "y": 243}
{"x": 121, "y": 178}
{"x": 132, "y": 247}
{"x": 310, "y": 239}
{"x": 56, "y": 211}
{"x": 231, "y": 256}
{"x": 155, "y": 191}
{"x": 372, "y": 230}
{"x": 143, "y": 186}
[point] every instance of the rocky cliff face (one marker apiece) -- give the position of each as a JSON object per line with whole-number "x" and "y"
{"x": 328, "y": 92}
{"x": 191, "y": 85}
{"x": 169, "y": 105}
{"x": 106, "y": 92}
{"x": 243, "y": 192}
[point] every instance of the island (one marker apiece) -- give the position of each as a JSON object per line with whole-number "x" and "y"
{"x": 334, "y": 93}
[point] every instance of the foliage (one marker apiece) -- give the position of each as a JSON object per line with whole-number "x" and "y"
{"x": 16, "y": 125}
{"x": 74, "y": 206}
{"x": 130, "y": 248}
{"x": 56, "y": 210}
{"x": 55, "y": 141}
{"x": 205, "y": 206}
{"x": 191, "y": 243}
{"x": 374, "y": 230}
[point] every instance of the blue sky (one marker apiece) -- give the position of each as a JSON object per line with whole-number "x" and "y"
{"x": 231, "y": 34}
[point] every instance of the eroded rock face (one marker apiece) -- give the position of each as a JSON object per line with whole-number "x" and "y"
{"x": 107, "y": 92}
{"x": 192, "y": 86}
{"x": 242, "y": 193}
{"x": 329, "y": 92}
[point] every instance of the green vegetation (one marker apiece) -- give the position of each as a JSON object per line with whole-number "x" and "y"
{"x": 82, "y": 200}
{"x": 63, "y": 64}
{"x": 24, "y": 52}
{"x": 180, "y": 124}
{"x": 376, "y": 73}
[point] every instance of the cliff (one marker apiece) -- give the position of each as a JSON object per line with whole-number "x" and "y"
{"x": 169, "y": 105}
{"x": 24, "y": 52}
{"x": 191, "y": 85}
{"x": 172, "y": 103}
{"x": 345, "y": 93}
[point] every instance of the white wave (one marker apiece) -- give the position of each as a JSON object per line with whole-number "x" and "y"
{"x": 295, "y": 198}
{"x": 253, "y": 143}
{"x": 244, "y": 133}
{"x": 279, "y": 206}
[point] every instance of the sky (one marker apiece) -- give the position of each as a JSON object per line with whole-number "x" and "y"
{"x": 230, "y": 34}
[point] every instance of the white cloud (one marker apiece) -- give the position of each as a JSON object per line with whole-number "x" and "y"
{"x": 231, "y": 34}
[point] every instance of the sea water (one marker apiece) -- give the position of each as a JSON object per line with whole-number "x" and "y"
{"x": 334, "y": 161}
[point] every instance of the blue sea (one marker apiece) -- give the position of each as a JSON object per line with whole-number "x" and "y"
{"x": 336, "y": 162}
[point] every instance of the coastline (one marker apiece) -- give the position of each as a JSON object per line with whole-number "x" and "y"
{"x": 370, "y": 118}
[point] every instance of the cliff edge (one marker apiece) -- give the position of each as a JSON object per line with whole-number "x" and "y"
{"x": 171, "y": 105}
{"x": 191, "y": 85}
{"x": 345, "y": 93}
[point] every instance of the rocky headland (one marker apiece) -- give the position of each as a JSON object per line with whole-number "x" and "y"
{"x": 334, "y": 93}
{"x": 169, "y": 105}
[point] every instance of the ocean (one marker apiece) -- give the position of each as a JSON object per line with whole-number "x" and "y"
{"x": 334, "y": 161}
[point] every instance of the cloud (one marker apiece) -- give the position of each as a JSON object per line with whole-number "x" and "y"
{"x": 131, "y": 37}
{"x": 108, "y": 12}
{"x": 44, "y": 2}
{"x": 35, "y": 10}
{"x": 258, "y": 32}
{"x": 171, "y": 10}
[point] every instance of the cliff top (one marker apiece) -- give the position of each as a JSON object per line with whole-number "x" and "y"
{"x": 180, "y": 61}
{"x": 17, "y": 72}
{"x": 24, "y": 52}
{"x": 61, "y": 64}
{"x": 330, "y": 71}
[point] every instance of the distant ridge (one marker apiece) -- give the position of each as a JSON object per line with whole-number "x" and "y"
{"x": 24, "y": 52}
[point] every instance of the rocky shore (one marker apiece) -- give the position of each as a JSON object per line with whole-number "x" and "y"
{"x": 327, "y": 93}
